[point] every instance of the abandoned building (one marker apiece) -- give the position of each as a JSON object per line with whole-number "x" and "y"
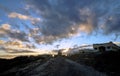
{"x": 106, "y": 47}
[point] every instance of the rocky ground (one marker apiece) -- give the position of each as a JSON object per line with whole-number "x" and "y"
{"x": 85, "y": 64}
{"x": 58, "y": 66}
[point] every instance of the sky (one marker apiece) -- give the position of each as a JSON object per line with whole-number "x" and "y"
{"x": 44, "y": 25}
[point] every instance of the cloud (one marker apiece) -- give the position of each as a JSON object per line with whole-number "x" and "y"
{"x": 5, "y": 26}
{"x": 17, "y": 50}
{"x": 117, "y": 43}
{"x": 16, "y": 46}
{"x": 65, "y": 18}
{"x": 3, "y": 29}
{"x": 112, "y": 25}
{"x": 23, "y": 17}
{"x": 2, "y": 42}
{"x": 7, "y": 32}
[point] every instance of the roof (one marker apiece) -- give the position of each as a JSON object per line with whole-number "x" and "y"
{"x": 109, "y": 43}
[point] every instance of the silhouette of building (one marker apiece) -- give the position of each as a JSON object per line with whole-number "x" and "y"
{"x": 106, "y": 47}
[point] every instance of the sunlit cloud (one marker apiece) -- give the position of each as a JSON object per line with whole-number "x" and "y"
{"x": 23, "y": 17}
{"x": 6, "y": 26}
{"x": 16, "y": 46}
{"x": 86, "y": 28}
{"x": 2, "y": 42}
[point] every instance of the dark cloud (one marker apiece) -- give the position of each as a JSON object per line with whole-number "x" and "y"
{"x": 113, "y": 24}
{"x": 64, "y": 17}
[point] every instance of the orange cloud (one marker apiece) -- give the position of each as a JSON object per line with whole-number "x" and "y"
{"x": 86, "y": 28}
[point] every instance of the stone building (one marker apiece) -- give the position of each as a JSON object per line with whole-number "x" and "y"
{"x": 106, "y": 47}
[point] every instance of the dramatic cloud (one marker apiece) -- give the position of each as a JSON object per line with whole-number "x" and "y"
{"x": 65, "y": 18}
